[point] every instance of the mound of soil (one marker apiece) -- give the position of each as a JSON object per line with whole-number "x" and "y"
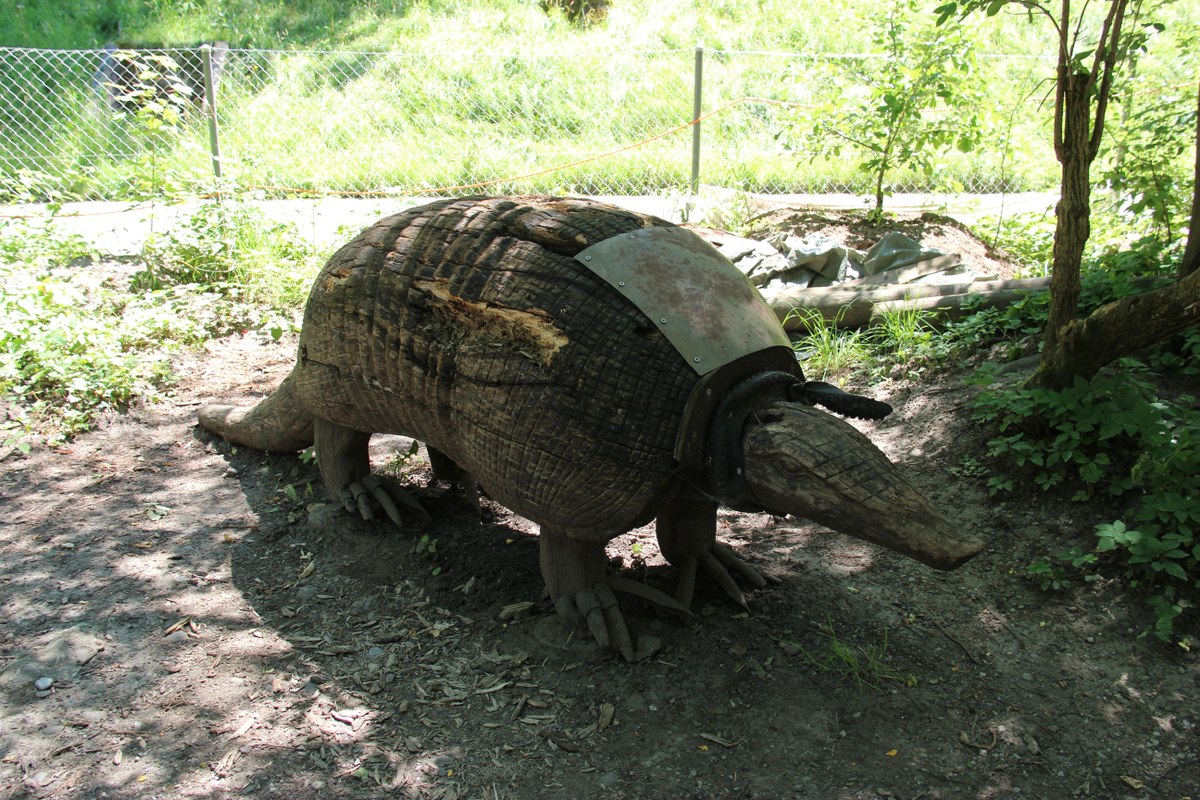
{"x": 182, "y": 618}
{"x": 856, "y": 229}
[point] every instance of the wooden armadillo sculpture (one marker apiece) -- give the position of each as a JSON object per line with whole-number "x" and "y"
{"x": 592, "y": 369}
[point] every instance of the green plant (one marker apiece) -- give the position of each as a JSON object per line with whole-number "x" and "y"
{"x": 1025, "y": 238}
{"x": 1160, "y": 544}
{"x": 229, "y": 246}
{"x": 826, "y": 349}
{"x": 1056, "y": 573}
{"x": 37, "y": 244}
{"x": 986, "y": 330}
{"x": 76, "y": 344}
{"x": 865, "y": 666}
{"x": 1148, "y": 166}
{"x": 1092, "y": 430}
{"x": 426, "y": 547}
{"x": 152, "y": 107}
{"x": 1114, "y": 435}
{"x": 894, "y": 122}
{"x": 401, "y": 459}
{"x": 73, "y": 346}
{"x": 901, "y": 335}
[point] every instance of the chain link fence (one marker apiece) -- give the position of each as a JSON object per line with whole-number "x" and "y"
{"x": 116, "y": 124}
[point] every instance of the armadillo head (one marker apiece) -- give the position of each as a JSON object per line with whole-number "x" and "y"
{"x": 808, "y": 463}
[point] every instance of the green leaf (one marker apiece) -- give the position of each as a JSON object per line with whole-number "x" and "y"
{"x": 945, "y": 12}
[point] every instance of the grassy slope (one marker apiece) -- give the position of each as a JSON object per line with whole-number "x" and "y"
{"x": 476, "y": 36}
{"x": 478, "y": 26}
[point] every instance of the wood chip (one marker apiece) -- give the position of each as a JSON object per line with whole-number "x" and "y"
{"x": 245, "y": 726}
{"x": 560, "y": 739}
{"x": 516, "y": 610}
{"x": 607, "y": 713}
{"x": 709, "y": 737}
{"x": 178, "y": 626}
{"x": 225, "y": 766}
{"x": 495, "y": 688}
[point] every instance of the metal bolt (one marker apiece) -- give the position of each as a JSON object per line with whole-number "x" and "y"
{"x": 696, "y": 359}
{"x": 663, "y": 321}
{"x": 587, "y": 258}
{"x": 620, "y": 283}
{"x": 632, "y": 236}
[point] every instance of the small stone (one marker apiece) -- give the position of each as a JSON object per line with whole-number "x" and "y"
{"x": 42, "y": 695}
{"x": 176, "y": 637}
{"x": 647, "y": 646}
{"x": 306, "y": 593}
{"x": 43, "y": 683}
{"x": 375, "y": 652}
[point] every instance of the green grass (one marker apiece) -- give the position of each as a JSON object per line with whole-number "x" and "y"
{"x": 79, "y": 340}
{"x": 420, "y": 95}
{"x": 865, "y": 666}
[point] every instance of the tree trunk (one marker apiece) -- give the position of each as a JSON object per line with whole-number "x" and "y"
{"x": 1119, "y": 328}
{"x": 1191, "y": 256}
{"x": 853, "y": 306}
{"x": 1074, "y": 208}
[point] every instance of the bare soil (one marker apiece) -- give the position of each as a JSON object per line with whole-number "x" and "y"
{"x": 212, "y": 627}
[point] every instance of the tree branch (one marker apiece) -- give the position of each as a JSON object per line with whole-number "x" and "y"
{"x": 1060, "y": 84}
{"x": 1118, "y": 328}
{"x": 1191, "y": 255}
{"x": 1106, "y": 64}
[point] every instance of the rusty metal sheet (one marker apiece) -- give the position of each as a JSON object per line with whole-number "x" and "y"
{"x": 705, "y": 307}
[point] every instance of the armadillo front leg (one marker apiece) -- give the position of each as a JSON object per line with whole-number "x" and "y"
{"x": 345, "y": 464}
{"x": 582, "y": 591}
{"x": 687, "y": 536}
{"x": 574, "y": 570}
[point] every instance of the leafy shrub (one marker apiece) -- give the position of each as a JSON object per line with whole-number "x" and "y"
{"x": 73, "y": 347}
{"x": 826, "y": 349}
{"x": 232, "y": 248}
{"x": 1116, "y": 435}
{"x": 1095, "y": 431}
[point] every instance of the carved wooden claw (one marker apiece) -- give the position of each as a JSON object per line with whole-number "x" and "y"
{"x": 583, "y": 593}
{"x": 597, "y": 607}
{"x": 687, "y": 538}
{"x": 361, "y": 495}
{"x": 715, "y": 565}
{"x": 718, "y": 563}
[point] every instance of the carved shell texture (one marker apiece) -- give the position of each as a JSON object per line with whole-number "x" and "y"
{"x": 469, "y": 325}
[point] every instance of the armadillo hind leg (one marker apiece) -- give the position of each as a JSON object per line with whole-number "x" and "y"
{"x": 687, "y": 536}
{"x": 445, "y": 469}
{"x": 343, "y": 456}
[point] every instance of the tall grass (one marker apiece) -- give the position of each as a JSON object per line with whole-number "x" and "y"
{"x": 420, "y": 95}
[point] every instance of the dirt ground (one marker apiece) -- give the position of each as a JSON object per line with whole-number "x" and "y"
{"x": 182, "y": 618}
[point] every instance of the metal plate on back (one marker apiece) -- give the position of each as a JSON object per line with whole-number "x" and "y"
{"x": 705, "y": 307}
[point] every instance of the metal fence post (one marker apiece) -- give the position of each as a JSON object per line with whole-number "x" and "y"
{"x": 697, "y": 103}
{"x": 210, "y": 100}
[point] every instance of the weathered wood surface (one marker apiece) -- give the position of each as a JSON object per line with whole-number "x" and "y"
{"x": 852, "y": 306}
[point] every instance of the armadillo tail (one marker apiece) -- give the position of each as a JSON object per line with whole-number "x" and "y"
{"x": 279, "y": 423}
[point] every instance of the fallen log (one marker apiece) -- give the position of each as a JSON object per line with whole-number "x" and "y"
{"x": 853, "y": 306}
